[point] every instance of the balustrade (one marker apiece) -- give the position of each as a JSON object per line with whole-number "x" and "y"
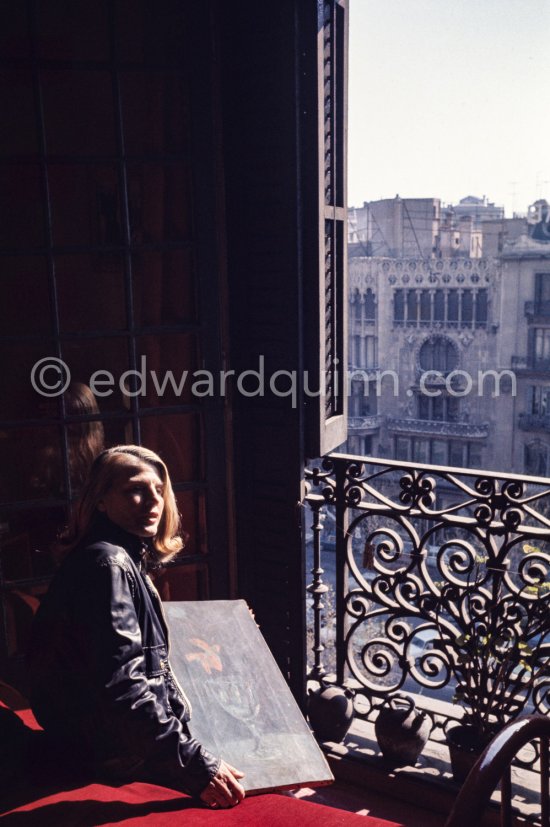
{"x": 423, "y": 556}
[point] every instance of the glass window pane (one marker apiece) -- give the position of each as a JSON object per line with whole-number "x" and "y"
{"x": 191, "y": 506}
{"x": 14, "y": 29}
{"x": 25, "y": 303}
{"x": 424, "y": 407}
{"x": 439, "y": 452}
{"x": 370, "y": 346}
{"x": 73, "y": 31}
{"x": 177, "y": 439}
{"x": 452, "y": 306}
{"x": 118, "y": 431}
{"x": 411, "y": 306}
{"x": 22, "y": 222}
{"x": 155, "y": 107}
{"x": 453, "y": 408}
{"x": 359, "y": 351}
{"x": 439, "y": 306}
{"x": 474, "y": 455}
{"x": 438, "y": 405}
{"x": 90, "y": 291}
{"x": 101, "y": 364}
{"x": 163, "y": 288}
{"x": 370, "y": 306}
{"x": 421, "y": 450}
{"x": 167, "y": 364}
{"x": 467, "y": 306}
{"x": 542, "y": 291}
{"x": 145, "y": 36}
{"x": 18, "y": 135}
{"x": 398, "y": 306}
{"x": 425, "y": 306}
{"x": 78, "y": 112}
{"x": 31, "y": 464}
{"x": 160, "y": 202}
{"x": 481, "y": 306}
{"x": 456, "y": 454}
{"x": 538, "y": 343}
{"x": 85, "y": 205}
{"x": 402, "y": 448}
{"x": 28, "y": 538}
{"x": 18, "y": 398}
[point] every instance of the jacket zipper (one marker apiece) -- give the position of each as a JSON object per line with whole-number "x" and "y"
{"x": 155, "y": 594}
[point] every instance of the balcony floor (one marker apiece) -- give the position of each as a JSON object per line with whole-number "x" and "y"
{"x": 365, "y": 802}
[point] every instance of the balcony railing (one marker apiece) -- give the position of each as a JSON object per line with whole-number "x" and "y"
{"x": 420, "y": 550}
{"x": 364, "y": 423}
{"x": 530, "y": 363}
{"x": 534, "y": 422}
{"x": 439, "y": 324}
{"x": 430, "y": 427}
{"x": 537, "y": 309}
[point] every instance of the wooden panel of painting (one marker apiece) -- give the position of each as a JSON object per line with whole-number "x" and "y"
{"x": 243, "y": 709}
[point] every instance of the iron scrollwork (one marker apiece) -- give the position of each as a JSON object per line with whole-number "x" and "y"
{"x": 435, "y": 557}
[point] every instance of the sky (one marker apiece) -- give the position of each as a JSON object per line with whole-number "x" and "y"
{"x": 449, "y": 98}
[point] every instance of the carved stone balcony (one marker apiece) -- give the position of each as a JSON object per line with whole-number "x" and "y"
{"x": 534, "y": 422}
{"x": 428, "y": 427}
{"x": 367, "y": 374}
{"x": 364, "y": 425}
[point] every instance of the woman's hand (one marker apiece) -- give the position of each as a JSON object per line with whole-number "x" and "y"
{"x": 224, "y": 790}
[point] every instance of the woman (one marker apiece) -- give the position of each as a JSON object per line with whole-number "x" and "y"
{"x": 101, "y": 682}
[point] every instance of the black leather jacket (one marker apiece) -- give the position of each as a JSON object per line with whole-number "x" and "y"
{"x": 101, "y": 681}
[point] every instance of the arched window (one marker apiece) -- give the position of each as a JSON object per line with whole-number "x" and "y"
{"x": 535, "y": 457}
{"x": 398, "y": 306}
{"x": 438, "y": 353}
{"x": 370, "y": 306}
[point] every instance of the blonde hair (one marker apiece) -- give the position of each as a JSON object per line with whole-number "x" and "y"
{"x": 106, "y": 466}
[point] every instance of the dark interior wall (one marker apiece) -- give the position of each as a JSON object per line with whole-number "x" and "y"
{"x": 110, "y": 253}
{"x": 263, "y": 198}
{"x": 116, "y": 225}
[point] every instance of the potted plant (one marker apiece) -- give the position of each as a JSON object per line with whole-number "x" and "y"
{"x": 496, "y": 643}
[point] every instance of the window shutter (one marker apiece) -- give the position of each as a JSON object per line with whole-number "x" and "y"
{"x": 327, "y": 334}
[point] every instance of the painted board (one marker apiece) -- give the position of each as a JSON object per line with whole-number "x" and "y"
{"x": 242, "y": 707}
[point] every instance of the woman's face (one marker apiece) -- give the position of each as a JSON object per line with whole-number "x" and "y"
{"x": 135, "y": 500}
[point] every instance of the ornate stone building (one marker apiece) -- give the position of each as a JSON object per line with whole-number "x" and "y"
{"x": 449, "y": 356}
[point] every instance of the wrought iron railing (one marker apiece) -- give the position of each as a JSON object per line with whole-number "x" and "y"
{"x": 428, "y": 558}
{"x": 534, "y": 422}
{"x": 539, "y": 309}
{"x": 531, "y": 362}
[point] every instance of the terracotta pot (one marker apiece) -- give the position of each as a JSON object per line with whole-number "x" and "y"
{"x": 401, "y": 730}
{"x": 330, "y": 712}
{"x": 465, "y": 747}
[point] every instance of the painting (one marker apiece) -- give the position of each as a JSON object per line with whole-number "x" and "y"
{"x": 242, "y": 708}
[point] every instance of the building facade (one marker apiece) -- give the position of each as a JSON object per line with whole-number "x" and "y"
{"x": 450, "y": 353}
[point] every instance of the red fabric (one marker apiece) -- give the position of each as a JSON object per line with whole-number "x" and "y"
{"x": 151, "y": 806}
{"x": 147, "y": 805}
{"x": 28, "y": 718}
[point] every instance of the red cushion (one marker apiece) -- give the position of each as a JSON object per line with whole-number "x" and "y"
{"x": 146, "y": 804}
